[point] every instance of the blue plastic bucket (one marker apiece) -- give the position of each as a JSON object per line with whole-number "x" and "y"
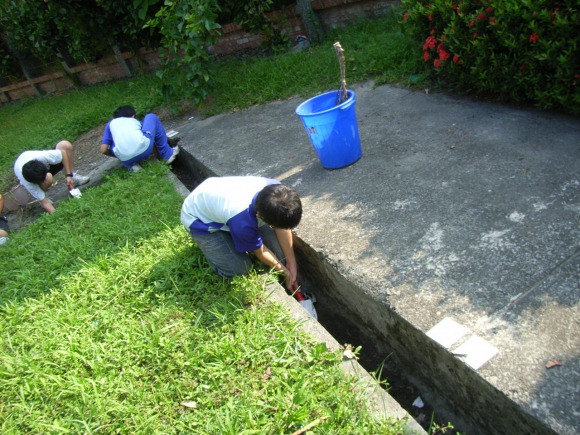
{"x": 333, "y": 130}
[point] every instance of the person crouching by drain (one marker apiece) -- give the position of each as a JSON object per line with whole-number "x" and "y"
{"x": 229, "y": 217}
{"x": 131, "y": 142}
{"x": 35, "y": 171}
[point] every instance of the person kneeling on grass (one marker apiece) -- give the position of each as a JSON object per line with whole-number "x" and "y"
{"x": 35, "y": 171}
{"x": 130, "y": 141}
{"x": 231, "y": 216}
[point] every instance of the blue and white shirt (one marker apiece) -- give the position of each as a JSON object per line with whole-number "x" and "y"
{"x": 125, "y": 138}
{"x": 226, "y": 204}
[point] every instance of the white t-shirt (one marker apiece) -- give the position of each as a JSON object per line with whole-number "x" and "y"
{"x": 226, "y": 204}
{"x": 48, "y": 157}
{"x": 127, "y": 138}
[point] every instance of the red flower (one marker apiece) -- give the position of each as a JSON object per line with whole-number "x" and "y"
{"x": 444, "y": 55}
{"x": 492, "y": 21}
{"x": 474, "y": 35}
{"x": 430, "y": 42}
{"x": 454, "y": 7}
{"x": 456, "y": 60}
{"x": 432, "y": 31}
{"x": 436, "y": 63}
{"x": 481, "y": 16}
{"x": 405, "y": 15}
{"x": 534, "y": 38}
{"x": 426, "y": 56}
{"x": 489, "y": 10}
{"x": 471, "y": 24}
{"x": 430, "y": 17}
{"x": 523, "y": 67}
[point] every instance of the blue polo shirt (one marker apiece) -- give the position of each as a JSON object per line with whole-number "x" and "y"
{"x": 226, "y": 204}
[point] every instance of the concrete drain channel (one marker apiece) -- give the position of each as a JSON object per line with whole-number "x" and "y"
{"x": 412, "y": 364}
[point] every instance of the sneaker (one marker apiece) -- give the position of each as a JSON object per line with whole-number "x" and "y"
{"x": 79, "y": 180}
{"x": 135, "y": 168}
{"x": 3, "y": 240}
{"x": 174, "y": 155}
{"x": 173, "y": 141}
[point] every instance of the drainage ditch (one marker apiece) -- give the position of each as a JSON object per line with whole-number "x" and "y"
{"x": 412, "y": 364}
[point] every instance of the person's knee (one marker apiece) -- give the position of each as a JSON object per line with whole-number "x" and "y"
{"x": 3, "y": 233}
{"x": 64, "y": 145}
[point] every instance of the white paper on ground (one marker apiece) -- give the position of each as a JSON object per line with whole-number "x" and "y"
{"x": 477, "y": 352}
{"x": 447, "y": 332}
{"x": 309, "y": 306}
{"x": 418, "y": 403}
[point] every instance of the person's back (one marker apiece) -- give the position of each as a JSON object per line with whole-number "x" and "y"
{"x": 229, "y": 217}
{"x": 218, "y": 200}
{"x": 128, "y": 138}
{"x": 132, "y": 141}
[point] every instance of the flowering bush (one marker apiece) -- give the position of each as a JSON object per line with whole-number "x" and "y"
{"x": 525, "y": 51}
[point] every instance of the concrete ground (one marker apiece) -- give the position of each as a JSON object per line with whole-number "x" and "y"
{"x": 459, "y": 211}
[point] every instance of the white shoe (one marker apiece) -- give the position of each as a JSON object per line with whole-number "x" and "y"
{"x": 136, "y": 167}
{"x": 79, "y": 180}
{"x": 3, "y": 240}
{"x": 174, "y": 155}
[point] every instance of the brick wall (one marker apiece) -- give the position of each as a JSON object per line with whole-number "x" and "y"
{"x": 332, "y": 14}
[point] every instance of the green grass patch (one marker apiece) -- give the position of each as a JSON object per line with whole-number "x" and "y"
{"x": 112, "y": 322}
{"x": 374, "y": 48}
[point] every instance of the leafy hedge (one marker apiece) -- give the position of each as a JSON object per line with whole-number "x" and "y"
{"x": 524, "y": 50}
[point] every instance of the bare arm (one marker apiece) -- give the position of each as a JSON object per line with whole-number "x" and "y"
{"x": 287, "y": 244}
{"x": 105, "y": 150}
{"x": 68, "y": 167}
{"x": 269, "y": 259}
{"x": 46, "y": 205}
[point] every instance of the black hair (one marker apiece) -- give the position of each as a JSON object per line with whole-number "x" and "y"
{"x": 279, "y": 206}
{"x": 34, "y": 171}
{"x": 124, "y": 112}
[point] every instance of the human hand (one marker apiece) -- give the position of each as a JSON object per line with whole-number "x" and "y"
{"x": 290, "y": 280}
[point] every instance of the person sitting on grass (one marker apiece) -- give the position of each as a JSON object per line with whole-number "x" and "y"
{"x": 229, "y": 217}
{"x": 3, "y": 224}
{"x": 35, "y": 171}
{"x": 130, "y": 141}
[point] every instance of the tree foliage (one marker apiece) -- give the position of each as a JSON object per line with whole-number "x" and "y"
{"x": 187, "y": 28}
{"x": 85, "y": 29}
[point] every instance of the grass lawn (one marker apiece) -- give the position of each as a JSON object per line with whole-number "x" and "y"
{"x": 111, "y": 320}
{"x": 116, "y": 328}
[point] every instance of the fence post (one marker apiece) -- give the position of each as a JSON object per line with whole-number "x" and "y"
{"x": 122, "y": 61}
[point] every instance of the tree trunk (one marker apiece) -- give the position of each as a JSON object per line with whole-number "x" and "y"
{"x": 311, "y": 22}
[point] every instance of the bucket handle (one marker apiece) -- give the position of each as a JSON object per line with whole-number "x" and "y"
{"x": 346, "y": 106}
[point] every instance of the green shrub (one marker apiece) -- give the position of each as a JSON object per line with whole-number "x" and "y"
{"x": 524, "y": 50}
